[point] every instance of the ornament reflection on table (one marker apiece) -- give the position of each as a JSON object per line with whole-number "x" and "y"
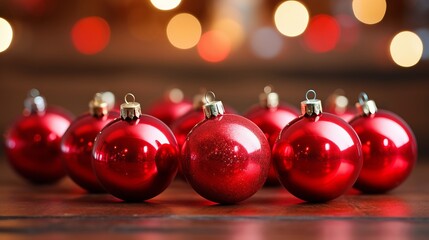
{"x": 388, "y": 145}
{"x": 77, "y": 142}
{"x": 172, "y": 106}
{"x": 271, "y": 116}
{"x": 318, "y": 156}
{"x": 226, "y": 157}
{"x": 33, "y": 141}
{"x": 135, "y": 157}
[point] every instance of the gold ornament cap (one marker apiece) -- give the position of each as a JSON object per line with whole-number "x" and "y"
{"x": 311, "y": 106}
{"x": 98, "y": 107}
{"x": 364, "y": 106}
{"x": 34, "y": 103}
{"x": 269, "y": 99}
{"x": 212, "y": 108}
{"x": 130, "y": 109}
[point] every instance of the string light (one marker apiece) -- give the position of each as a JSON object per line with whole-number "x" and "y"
{"x": 90, "y": 35}
{"x": 322, "y": 34}
{"x": 184, "y": 31}
{"x": 6, "y": 34}
{"x": 214, "y": 46}
{"x": 291, "y": 18}
{"x": 369, "y": 11}
{"x": 266, "y": 42}
{"x": 406, "y": 49}
{"x": 165, "y": 5}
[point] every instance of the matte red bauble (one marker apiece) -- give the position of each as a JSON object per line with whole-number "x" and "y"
{"x": 33, "y": 141}
{"x": 78, "y": 141}
{"x": 226, "y": 157}
{"x": 389, "y": 148}
{"x": 135, "y": 157}
{"x": 318, "y": 156}
{"x": 337, "y": 104}
{"x": 271, "y": 117}
{"x": 171, "y": 107}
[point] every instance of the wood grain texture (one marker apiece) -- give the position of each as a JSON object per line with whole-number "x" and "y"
{"x": 65, "y": 211}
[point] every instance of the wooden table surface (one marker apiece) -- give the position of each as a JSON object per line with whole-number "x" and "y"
{"x": 63, "y": 211}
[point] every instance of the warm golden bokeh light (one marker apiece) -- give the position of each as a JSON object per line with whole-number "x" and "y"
{"x": 369, "y": 11}
{"x": 231, "y": 28}
{"x": 165, "y": 4}
{"x": 291, "y": 18}
{"x": 214, "y": 46}
{"x": 406, "y": 49}
{"x": 6, "y": 34}
{"x": 184, "y": 31}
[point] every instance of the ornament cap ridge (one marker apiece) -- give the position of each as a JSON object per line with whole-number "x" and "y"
{"x": 311, "y": 106}
{"x": 365, "y": 106}
{"x": 269, "y": 99}
{"x": 34, "y": 103}
{"x": 212, "y": 108}
{"x": 130, "y": 109}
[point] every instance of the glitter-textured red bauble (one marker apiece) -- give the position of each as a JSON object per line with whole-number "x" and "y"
{"x": 271, "y": 120}
{"x": 225, "y": 158}
{"x": 33, "y": 144}
{"x": 318, "y": 156}
{"x": 77, "y": 144}
{"x": 135, "y": 157}
{"x": 389, "y": 151}
{"x": 171, "y": 107}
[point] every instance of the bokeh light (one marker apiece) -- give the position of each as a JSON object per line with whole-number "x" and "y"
{"x": 214, "y": 46}
{"x": 6, "y": 34}
{"x": 423, "y": 33}
{"x": 266, "y": 42}
{"x": 406, "y": 49}
{"x": 232, "y": 28}
{"x": 322, "y": 34}
{"x": 184, "y": 31}
{"x": 90, "y": 35}
{"x": 165, "y": 5}
{"x": 350, "y": 32}
{"x": 291, "y": 18}
{"x": 369, "y": 11}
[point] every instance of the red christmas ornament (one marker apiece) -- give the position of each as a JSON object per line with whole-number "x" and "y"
{"x": 78, "y": 141}
{"x": 33, "y": 141}
{"x": 388, "y": 145}
{"x": 135, "y": 157}
{"x": 171, "y": 107}
{"x": 318, "y": 156}
{"x": 184, "y": 124}
{"x": 271, "y": 118}
{"x": 226, "y": 157}
{"x": 337, "y": 104}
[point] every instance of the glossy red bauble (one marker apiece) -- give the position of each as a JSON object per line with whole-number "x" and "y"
{"x": 317, "y": 157}
{"x": 33, "y": 145}
{"x": 137, "y": 159}
{"x": 389, "y": 151}
{"x": 271, "y": 121}
{"x": 226, "y": 158}
{"x": 76, "y": 147}
{"x": 171, "y": 107}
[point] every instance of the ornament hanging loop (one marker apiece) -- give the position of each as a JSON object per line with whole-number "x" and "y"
{"x": 212, "y": 108}
{"x": 130, "y": 109}
{"x": 307, "y": 94}
{"x": 129, "y": 95}
{"x": 365, "y": 106}
{"x": 311, "y": 106}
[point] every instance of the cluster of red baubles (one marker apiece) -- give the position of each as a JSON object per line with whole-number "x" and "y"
{"x": 226, "y": 158}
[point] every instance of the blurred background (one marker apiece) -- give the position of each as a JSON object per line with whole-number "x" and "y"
{"x": 71, "y": 49}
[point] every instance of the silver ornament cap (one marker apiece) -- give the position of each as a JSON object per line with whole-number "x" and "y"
{"x": 34, "y": 103}
{"x": 269, "y": 99}
{"x": 364, "y": 106}
{"x": 212, "y": 108}
{"x": 130, "y": 109}
{"x": 311, "y": 106}
{"x": 97, "y": 106}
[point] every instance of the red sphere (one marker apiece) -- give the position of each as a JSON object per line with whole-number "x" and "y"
{"x": 226, "y": 158}
{"x": 318, "y": 158}
{"x": 76, "y": 147}
{"x": 347, "y": 115}
{"x": 389, "y": 151}
{"x": 135, "y": 160}
{"x": 271, "y": 121}
{"x": 168, "y": 111}
{"x": 33, "y": 145}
